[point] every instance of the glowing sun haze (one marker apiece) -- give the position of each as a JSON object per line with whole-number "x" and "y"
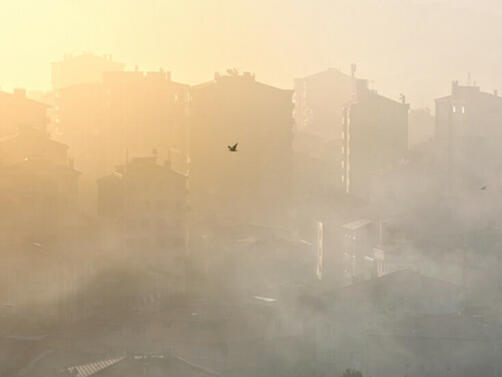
{"x": 410, "y": 46}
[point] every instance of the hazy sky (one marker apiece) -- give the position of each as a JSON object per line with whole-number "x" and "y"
{"x": 411, "y": 46}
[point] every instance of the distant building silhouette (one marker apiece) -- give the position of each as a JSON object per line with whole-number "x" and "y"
{"x": 147, "y": 110}
{"x": 17, "y": 110}
{"x": 81, "y": 69}
{"x": 39, "y": 186}
{"x": 31, "y": 143}
{"x": 142, "y": 206}
{"x": 252, "y": 184}
{"x": 467, "y": 136}
{"x": 128, "y": 112}
{"x": 40, "y": 225}
{"x": 38, "y": 198}
{"x": 320, "y": 100}
{"x": 362, "y": 257}
{"x": 375, "y": 138}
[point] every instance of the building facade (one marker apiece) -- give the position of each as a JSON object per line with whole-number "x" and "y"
{"x": 466, "y": 136}
{"x": 142, "y": 208}
{"x": 320, "y": 100}
{"x": 16, "y": 110}
{"x": 252, "y": 184}
{"x": 126, "y": 113}
{"x": 375, "y": 139}
{"x": 81, "y": 69}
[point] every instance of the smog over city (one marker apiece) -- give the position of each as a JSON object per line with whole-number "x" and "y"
{"x": 281, "y": 188}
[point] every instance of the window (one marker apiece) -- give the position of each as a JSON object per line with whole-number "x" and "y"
{"x": 463, "y": 110}
{"x": 454, "y": 109}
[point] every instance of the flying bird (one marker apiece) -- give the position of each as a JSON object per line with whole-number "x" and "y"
{"x": 484, "y": 187}
{"x": 233, "y": 148}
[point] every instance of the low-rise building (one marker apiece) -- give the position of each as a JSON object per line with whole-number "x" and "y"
{"x": 142, "y": 207}
{"x": 17, "y": 110}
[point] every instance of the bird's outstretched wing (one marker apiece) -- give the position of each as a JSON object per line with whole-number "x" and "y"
{"x": 233, "y": 148}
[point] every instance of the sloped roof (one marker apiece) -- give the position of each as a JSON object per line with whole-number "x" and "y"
{"x": 241, "y": 79}
{"x": 357, "y": 224}
{"x": 158, "y": 365}
{"x": 32, "y": 132}
{"x": 87, "y": 370}
{"x": 327, "y": 72}
{"x": 10, "y": 97}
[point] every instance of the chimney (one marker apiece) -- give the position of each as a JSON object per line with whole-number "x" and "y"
{"x": 353, "y": 68}
{"x": 496, "y": 93}
{"x": 454, "y": 87}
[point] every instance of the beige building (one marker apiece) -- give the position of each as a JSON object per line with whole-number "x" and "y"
{"x": 16, "y": 110}
{"x": 375, "y": 139}
{"x": 81, "y": 69}
{"x": 142, "y": 208}
{"x": 126, "y": 113}
{"x": 251, "y": 185}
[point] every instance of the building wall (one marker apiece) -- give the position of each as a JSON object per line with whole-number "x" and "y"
{"x": 467, "y": 133}
{"x": 39, "y": 200}
{"x": 376, "y": 139}
{"x": 31, "y": 142}
{"x": 82, "y": 69}
{"x": 320, "y": 100}
{"x": 127, "y": 114}
{"x": 142, "y": 211}
{"x": 251, "y": 184}
{"x": 16, "y": 110}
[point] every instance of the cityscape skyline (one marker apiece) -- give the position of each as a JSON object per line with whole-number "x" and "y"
{"x": 430, "y": 35}
{"x": 253, "y": 189}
